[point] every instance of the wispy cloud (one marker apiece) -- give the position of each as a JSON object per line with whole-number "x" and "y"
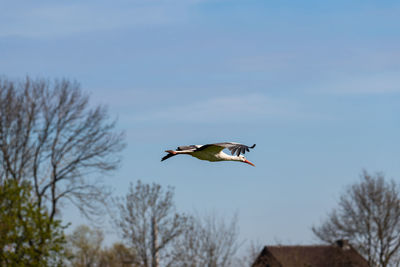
{"x": 61, "y": 18}
{"x": 376, "y": 83}
{"x": 226, "y": 109}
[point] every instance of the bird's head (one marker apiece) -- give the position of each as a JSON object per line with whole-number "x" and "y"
{"x": 243, "y": 159}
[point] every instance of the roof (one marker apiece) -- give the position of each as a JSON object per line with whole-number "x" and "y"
{"x": 342, "y": 255}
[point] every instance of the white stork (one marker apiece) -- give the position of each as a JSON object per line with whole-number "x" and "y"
{"x": 213, "y": 152}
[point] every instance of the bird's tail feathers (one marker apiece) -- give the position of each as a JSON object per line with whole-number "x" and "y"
{"x": 171, "y": 153}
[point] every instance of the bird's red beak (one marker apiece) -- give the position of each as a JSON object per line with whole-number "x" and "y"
{"x": 248, "y": 162}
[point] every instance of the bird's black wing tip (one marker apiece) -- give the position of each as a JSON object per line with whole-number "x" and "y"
{"x": 167, "y": 157}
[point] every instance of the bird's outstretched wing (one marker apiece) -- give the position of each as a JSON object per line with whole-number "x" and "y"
{"x": 188, "y": 148}
{"x": 233, "y": 147}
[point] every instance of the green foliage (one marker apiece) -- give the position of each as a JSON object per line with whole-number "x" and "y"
{"x": 28, "y": 236}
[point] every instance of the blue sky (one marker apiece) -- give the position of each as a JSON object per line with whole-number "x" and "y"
{"x": 315, "y": 84}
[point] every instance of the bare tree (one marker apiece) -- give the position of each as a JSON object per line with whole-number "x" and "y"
{"x": 147, "y": 221}
{"x": 208, "y": 241}
{"x": 369, "y": 216}
{"x": 51, "y": 136}
{"x": 84, "y": 246}
{"x": 84, "y": 249}
{"x": 251, "y": 253}
{"x": 118, "y": 255}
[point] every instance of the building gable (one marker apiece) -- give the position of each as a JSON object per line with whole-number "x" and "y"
{"x": 339, "y": 255}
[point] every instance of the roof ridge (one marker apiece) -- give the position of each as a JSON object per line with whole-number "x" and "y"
{"x": 291, "y": 246}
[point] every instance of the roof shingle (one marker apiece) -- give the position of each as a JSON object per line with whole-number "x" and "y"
{"x": 341, "y": 255}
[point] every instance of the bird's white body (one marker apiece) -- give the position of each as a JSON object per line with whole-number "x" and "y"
{"x": 210, "y": 155}
{"x": 212, "y": 152}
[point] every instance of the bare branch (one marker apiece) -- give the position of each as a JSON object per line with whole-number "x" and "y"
{"x": 208, "y": 241}
{"x": 369, "y": 216}
{"x": 148, "y": 222}
{"x": 49, "y": 135}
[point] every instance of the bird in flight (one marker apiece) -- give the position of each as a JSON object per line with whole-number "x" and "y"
{"x": 213, "y": 152}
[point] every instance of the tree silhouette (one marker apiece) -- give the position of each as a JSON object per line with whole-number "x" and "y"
{"x": 148, "y": 222}
{"x": 52, "y": 137}
{"x": 368, "y": 215}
